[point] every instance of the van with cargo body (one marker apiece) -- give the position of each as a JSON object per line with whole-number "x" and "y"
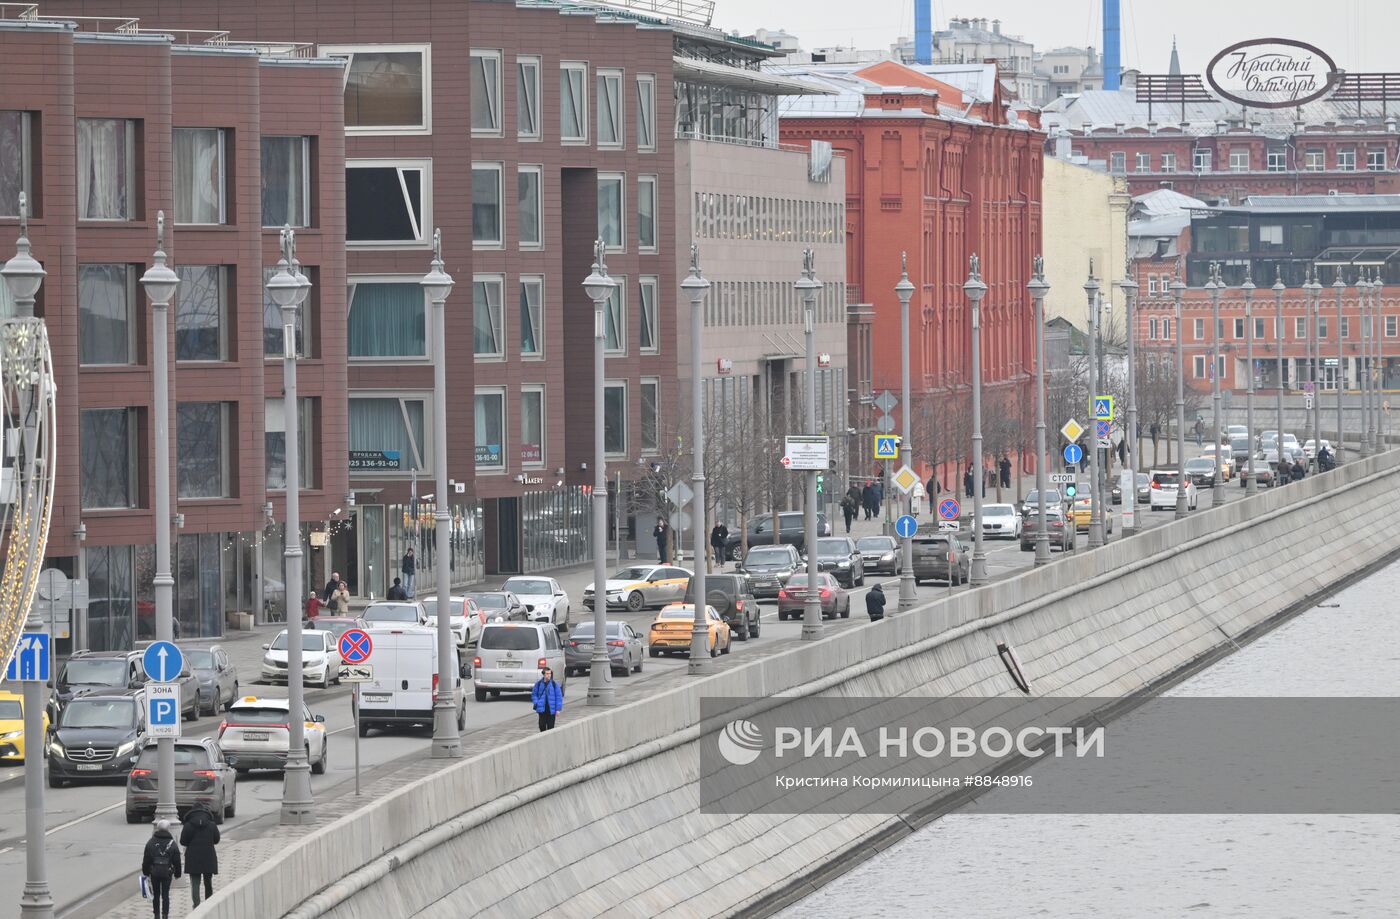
{"x": 405, "y": 679}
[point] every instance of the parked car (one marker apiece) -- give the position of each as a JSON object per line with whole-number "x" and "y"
{"x": 1001, "y": 520}
{"x": 465, "y": 619}
{"x": 637, "y": 587}
{"x": 320, "y": 658}
{"x": 624, "y": 648}
{"x": 1201, "y": 469}
{"x": 405, "y": 679}
{"x": 932, "y": 562}
{"x": 202, "y": 776}
{"x": 1264, "y": 473}
{"x": 1053, "y": 498}
{"x": 544, "y": 599}
{"x": 835, "y": 601}
{"x": 12, "y": 739}
{"x": 99, "y": 735}
{"x": 1081, "y": 512}
{"x": 1164, "y": 490}
{"x": 510, "y": 655}
{"x": 769, "y": 568}
{"x": 1060, "y": 533}
{"x": 732, "y": 597}
{"x": 670, "y": 631}
{"x": 500, "y": 604}
{"x": 1227, "y": 465}
{"x": 215, "y": 675}
{"x": 792, "y": 531}
{"x": 838, "y": 555}
{"x": 256, "y": 734}
{"x": 879, "y": 553}
{"x": 397, "y": 612}
{"x": 1144, "y": 488}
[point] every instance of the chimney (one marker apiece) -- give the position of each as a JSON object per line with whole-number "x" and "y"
{"x": 923, "y": 31}
{"x": 1111, "y": 37}
{"x": 1064, "y": 144}
{"x": 996, "y": 26}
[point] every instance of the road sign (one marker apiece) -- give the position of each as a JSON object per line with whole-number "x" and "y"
{"x": 810, "y": 453}
{"x": 1103, "y": 428}
{"x": 1103, "y": 407}
{"x": 53, "y": 584}
{"x": 1307, "y": 401}
{"x": 948, "y": 526}
{"x": 886, "y": 401}
{"x": 679, "y": 494}
{"x": 163, "y": 662}
{"x": 886, "y": 446}
{"x": 1072, "y": 430}
{"x": 163, "y": 709}
{"x": 1307, "y": 386}
{"x": 906, "y": 526}
{"x": 1061, "y": 478}
{"x": 885, "y": 424}
{"x": 949, "y": 508}
{"x": 1105, "y": 443}
{"x": 31, "y": 659}
{"x": 357, "y": 673}
{"x": 905, "y": 479}
{"x": 355, "y": 646}
{"x": 1073, "y": 453}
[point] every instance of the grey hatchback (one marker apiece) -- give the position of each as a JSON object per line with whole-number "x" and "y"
{"x": 202, "y": 776}
{"x": 931, "y": 559}
{"x": 625, "y": 650}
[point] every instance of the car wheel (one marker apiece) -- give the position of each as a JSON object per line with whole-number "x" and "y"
{"x": 635, "y": 601}
{"x": 364, "y": 728}
{"x": 733, "y": 553}
{"x": 218, "y": 814}
{"x": 133, "y": 817}
{"x": 728, "y": 645}
{"x": 480, "y": 695}
{"x": 638, "y": 668}
{"x": 753, "y": 629}
{"x": 231, "y": 808}
{"x": 714, "y": 650}
{"x": 319, "y": 768}
{"x": 742, "y": 632}
{"x": 846, "y": 613}
{"x": 654, "y": 652}
{"x": 231, "y": 699}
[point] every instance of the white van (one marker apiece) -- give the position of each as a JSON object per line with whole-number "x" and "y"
{"x": 510, "y": 655}
{"x": 405, "y": 675}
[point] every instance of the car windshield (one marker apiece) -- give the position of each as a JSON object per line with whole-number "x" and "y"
{"x": 310, "y": 641}
{"x": 490, "y": 601}
{"x": 585, "y": 630}
{"x": 200, "y": 659}
{"x": 187, "y": 757}
{"x": 767, "y": 557}
{"x": 875, "y": 544}
{"x": 390, "y": 613}
{"x": 999, "y": 510}
{"x": 833, "y": 548}
{"x": 530, "y": 587}
{"x": 430, "y": 605}
{"x": 106, "y": 672}
{"x": 800, "y": 580}
{"x": 99, "y": 713}
{"x": 339, "y": 627}
{"x": 1200, "y": 464}
{"x": 1164, "y": 478}
{"x": 631, "y": 574}
{"x": 253, "y": 715}
{"x": 1051, "y": 497}
{"x": 11, "y": 710}
{"x": 509, "y": 638}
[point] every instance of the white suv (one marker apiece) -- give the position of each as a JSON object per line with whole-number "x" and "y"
{"x": 510, "y": 656}
{"x": 255, "y": 733}
{"x": 1163, "y": 491}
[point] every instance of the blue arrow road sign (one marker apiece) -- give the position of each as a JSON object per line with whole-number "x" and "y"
{"x": 355, "y": 646}
{"x": 1073, "y": 453}
{"x": 906, "y": 526}
{"x": 949, "y": 509}
{"x": 31, "y": 660}
{"x": 163, "y": 661}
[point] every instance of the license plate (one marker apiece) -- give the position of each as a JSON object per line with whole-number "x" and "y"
{"x": 88, "y": 767}
{"x": 376, "y": 697}
{"x": 255, "y": 735}
{"x": 509, "y": 665}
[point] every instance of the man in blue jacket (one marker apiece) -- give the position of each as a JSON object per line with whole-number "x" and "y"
{"x": 548, "y": 698}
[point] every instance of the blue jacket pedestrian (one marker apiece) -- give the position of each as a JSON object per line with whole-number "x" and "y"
{"x": 548, "y": 698}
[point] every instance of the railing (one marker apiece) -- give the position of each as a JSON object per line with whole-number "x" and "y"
{"x": 22, "y": 12}
{"x": 701, "y": 11}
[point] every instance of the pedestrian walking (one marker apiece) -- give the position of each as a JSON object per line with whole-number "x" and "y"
{"x": 397, "y": 593}
{"x": 548, "y": 698}
{"x": 848, "y": 512}
{"x": 719, "y": 535}
{"x": 879, "y": 496}
{"x": 312, "y": 609}
{"x": 875, "y": 603}
{"x": 330, "y": 587}
{"x": 933, "y": 489}
{"x": 1285, "y": 470}
{"x": 1297, "y": 472}
{"x": 340, "y": 600}
{"x": 662, "y": 533}
{"x": 968, "y": 480}
{"x": 409, "y": 568}
{"x": 199, "y": 837}
{"x": 1005, "y": 467}
{"x": 867, "y": 500}
{"x": 1200, "y": 430}
{"x": 160, "y": 863}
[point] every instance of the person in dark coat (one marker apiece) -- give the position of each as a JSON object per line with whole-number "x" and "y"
{"x": 875, "y": 603}
{"x": 662, "y": 533}
{"x": 330, "y": 588}
{"x": 848, "y": 511}
{"x": 1285, "y": 470}
{"x": 933, "y": 489}
{"x": 867, "y": 500}
{"x": 1297, "y": 472}
{"x": 968, "y": 480}
{"x": 409, "y": 568}
{"x": 199, "y": 837}
{"x": 548, "y": 698}
{"x": 1005, "y": 467}
{"x": 160, "y": 862}
{"x": 396, "y": 593}
{"x": 718, "y": 535}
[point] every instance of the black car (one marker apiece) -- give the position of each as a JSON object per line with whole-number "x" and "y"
{"x": 732, "y": 597}
{"x": 769, "y": 568}
{"x": 500, "y": 603}
{"x": 879, "y": 553}
{"x": 95, "y": 671}
{"x": 838, "y": 556}
{"x": 792, "y": 531}
{"x": 1201, "y": 471}
{"x": 99, "y": 735}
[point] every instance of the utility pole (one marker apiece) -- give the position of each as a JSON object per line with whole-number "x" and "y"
{"x": 908, "y": 594}
{"x": 1177, "y": 288}
{"x": 1215, "y": 285}
{"x": 975, "y": 289}
{"x": 807, "y": 287}
{"x": 1091, "y": 291}
{"x": 1039, "y": 288}
{"x": 1130, "y": 289}
{"x": 1248, "y": 288}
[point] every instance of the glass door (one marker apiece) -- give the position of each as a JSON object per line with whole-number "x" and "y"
{"x": 372, "y": 556}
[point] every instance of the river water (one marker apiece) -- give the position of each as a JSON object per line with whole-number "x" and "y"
{"x": 971, "y": 865}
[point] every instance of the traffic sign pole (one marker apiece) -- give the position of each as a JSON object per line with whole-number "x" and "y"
{"x": 355, "y": 710}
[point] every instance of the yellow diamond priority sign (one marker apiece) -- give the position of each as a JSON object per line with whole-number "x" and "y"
{"x": 1072, "y": 430}
{"x": 905, "y": 479}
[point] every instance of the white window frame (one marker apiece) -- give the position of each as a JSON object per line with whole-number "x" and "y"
{"x": 1201, "y": 160}
{"x": 1392, "y": 326}
{"x": 642, "y": 383}
{"x": 538, "y": 172}
{"x": 1300, "y": 327}
{"x": 522, "y": 63}
{"x": 501, "y": 392}
{"x": 1261, "y": 331}
{"x": 1198, "y": 366}
{"x": 1169, "y": 162}
{"x": 655, "y": 183}
{"x": 499, "y": 280}
{"x": 626, "y": 413}
{"x": 1276, "y": 160}
{"x": 1239, "y": 328}
{"x": 621, "y": 179}
{"x": 1239, "y": 161}
{"x": 424, "y": 240}
{"x": 428, "y": 342}
{"x": 652, "y": 283}
{"x": 425, "y": 126}
{"x": 1349, "y": 163}
{"x": 604, "y": 76}
{"x": 1118, "y": 162}
{"x": 1346, "y": 327}
{"x": 1152, "y": 329}
{"x": 500, "y": 241}
{"x": 544, "y": 424}
{"x": 1314, "y": 160}
{"x": 620, "y": 290}
{"x": 1372, "y": 165}
{"x": 646, "y": 112}
{"x": 492, "y": 56}
{"x": 1199, "y": 327}
{"x": 581, "y": 139}
{"x": 539, "y": 354}
{"x": 425, "y": 449}
{"x": 223, "y": 174}
{"x": 1142, "y": 162}
{"x": 1152, "y": 284}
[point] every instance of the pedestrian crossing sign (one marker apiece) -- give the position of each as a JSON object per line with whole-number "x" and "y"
{"x": 1103, "y": 407}
{"x": 886, "y": 446}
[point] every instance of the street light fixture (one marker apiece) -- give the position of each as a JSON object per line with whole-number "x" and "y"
{"x": 807, "y": 287}
{"x": 1363, "y": 376}
{"x": 599, "y": 288}
{"x": 1177, "y": 288}
{"x": 908, "y": 594}
{"x": 1278, "y": 349}
{"x": 975, "y": 289}
{"x": 1315, "y": 356}
{"x": 1378, "y": 368}
{"x": 1338, "y": 288}
{"x": 696, "y": 287}
{"x": 1215, "y": 285}
{"x": 1039, "y": 288}
{"x": 1130, "y": 289}
{"x": 1091, "y": 291}
{"x": 1248, "y": 288}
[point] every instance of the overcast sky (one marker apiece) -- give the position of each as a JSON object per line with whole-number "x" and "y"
{"x": 1358, "y": 34}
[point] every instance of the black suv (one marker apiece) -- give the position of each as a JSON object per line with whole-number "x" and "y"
{"x": 838, "y": 556}
{"x": 769, "y": 567}
{"x": 792, "y": 531}
{"x": 100, "y": 735}
{"x": 95, "y": 671}
{"x": 732, "y": 597}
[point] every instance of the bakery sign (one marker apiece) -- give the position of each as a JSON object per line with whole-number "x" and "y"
{"x": 1272, "y": 73}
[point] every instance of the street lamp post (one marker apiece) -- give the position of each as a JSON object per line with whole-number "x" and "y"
{"x": 975, "y": 289}
{"x": 1177, "y": 288}
{"x": 1248, "y": 288}
{"x": 696, "y": 287}
{"x": 599, "y": 288}
{"x": 1039, "y": 288}
{"x": 1091, "y": 291}
{"x": 1338, "y": 287}
{"x": 1363, "y": 376}
{"x": 1278, "y": 346}
{"x": 908, "y": 594}
{"x": 807, "y": 287}
{"x": 1130, "y": 289}
{"x": 1378, "y": 368}
{"x": 160, "y": 283}
{"x": 1215, "y": 285}
{"x": 1315, "y": 356}
{"x": 288, "y": 289}
{"x": 447, "y": 741}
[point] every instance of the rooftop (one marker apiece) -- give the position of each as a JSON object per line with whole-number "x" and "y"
{"x": 1105, "y": 108}
{"x": 1310, "y": 204}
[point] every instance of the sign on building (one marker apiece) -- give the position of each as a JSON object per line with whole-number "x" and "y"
{"x": 1272, "y": 73}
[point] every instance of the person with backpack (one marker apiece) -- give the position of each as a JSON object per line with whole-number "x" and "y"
{"x": 548, "y": 698}
{"x": 199, "y": 837}
{"x": 161, "y": 864}
{"x": 848, "y": 511}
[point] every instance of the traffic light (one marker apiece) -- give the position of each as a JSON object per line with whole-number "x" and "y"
{"x": 1071, "y": 490}
{"x": 821, "y": 482}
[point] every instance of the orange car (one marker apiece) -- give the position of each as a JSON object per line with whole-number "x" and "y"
{"x": 670, "y": 630}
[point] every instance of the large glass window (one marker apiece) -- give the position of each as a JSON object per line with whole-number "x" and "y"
{"x": 1314, "y": 160}
{"x": 486, "y": 204}
{"x": 1346, "y": 160}
{"x": 1142, "y": 162}
{"x": 531, "y": 317}
{"x": 646, "y": 310}
{"x": 1117, "y": 162}
{"x": 646, "y": 213}
{"x": 573, "y": 102}
{"x": 612, "y": 227}
{"x": 615, "y": 418}
{"x": 1169, "y": 162}
{"x": 106, "y": 320}
{"x": 202, "y": 441}
{"x": 490, "y": 428}
{"x": 106, "y": 168}
{"x": 201, "y": 313}
{"x": 387, "y": 433}
{"x": 527, "y": 97}
{"x": 286, "y": 185}
{"x": 609, "y": 108}
{"x": 487, "y": 332}
{"x": 531, "y": 217}
{"x": 199, "y": 175}
{"x": 109, "y": 599}
{"x": 388, "y": 204}
{"x": 1239, "y": 160}
{"x": 486, "y": 92}
{"x": 107, "y": 443}
{"x": 388, "y": 319}
{"x": 646, "y": 112}
{"x": 532, "y": 426}
{"x": 615, "y": 318}
{"x": 1375, "y": 160}
{"x": 1200, "y": 160}
{"x": 1277, "y": 160}
{"x": 272, "y": 318}
{"x": 275, "y": 442}
{"x": 387, "y": 88}
{"x": 651, "y": 415}
{"x": 15, "y": 162}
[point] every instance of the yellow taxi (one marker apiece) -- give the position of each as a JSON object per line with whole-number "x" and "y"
{"x": 1227, "y": 461}
{"x": 1081, "y": 511}
{"x": 636, "y": 587}
{"x": 12, "y": 727}
{"x": 670, "y": 630}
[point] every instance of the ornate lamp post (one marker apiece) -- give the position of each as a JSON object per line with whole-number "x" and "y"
{"x": 908, "y": 594}
{"x": 1177, "y": 288}
{"x": 1130, "y": 289}
{"x": 1039, "y": 288}
{"x": 975, "y": 289}
{"x": 1315, "y": 356}
{"x": 1215, "y": 286}
{"x": 1363, "y": 376}
{"x": 1278, "y": 343}
{"x": 807, "y": 287}
{"x": 599, "y": 288}
{"x": 1338, "y": 287}
{"x": 1091, "y": 291}
{"x": 1248, "y": 288}
{"x": 696, "y": 287}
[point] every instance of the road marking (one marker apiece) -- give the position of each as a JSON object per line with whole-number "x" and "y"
{"x": 75, "y": 822}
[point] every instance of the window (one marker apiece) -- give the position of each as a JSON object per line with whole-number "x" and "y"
{"x": 1314, "y": 160}
{"x": 272, "y": 318}
{"x": 650, "y": 337}
{"x": 1152, "y": 329}
{"x": 1220, "y": 330}
{"x": 388, "y": 88}
{"x": 1239, "y": 160}
{"x": 199, "y": 175}
{"x": 486, "y": 92}
{"x": 275, "y": 443}
{"x": 573, "y": 103}
{"x": 531, "y": 219}
{"x": 1300, "y": 327}
{"x": 1200, "y": 329}
{"x": 202, "y": 439}
{"x": 106, "y": 321}
{"x": 1167, "y": 328}
{"x": 1390, "y": 326}
{"x": 490, "y": 428}
{"x": 1321, "y": 327}
{"x": 1277, "y": 160}
{"x": 108, "y": 449}
{"x": 531, "y": 316}
{"x": 1346, "y": 327}
{"x": 487, "y": 334}
{"x": 1346, "y": 160}
{"x": 527, "y": 97}
{"x": 1198, "y": 366}
{"x": 646, "y": 213}
{"x": 16, "y": 162}
{"x": 1169, "y": 162}
{"x": 201, "y": 313}
{"x": 611, "y": 226}
{"x": 610, "y": 108}
{"x": 387, "y": 433}
{"x": 1375, "y": 160}
{"x": 651, "y": 415}
{"x": 1239, "y": 329}
{"x": 1259, "y": 329}
{"x": 106, "y": 168}
{"x": 1117, "y": 161}
{"x": 532, "y": 426}
{"x": 614, "y": 319}
{"x": 646, "y": 112}
{"x": 1151, "y": 283}
{"x": 486, "y": 204}
{"x": 286, "y": 185}
{"x": 388, "y": 319}
{"x": 1143, "y": 162}
{"x": 615, "y": 418}
{"x": 388, "y": 204}
{"x": 1200, "y": 160}
{"x": 1271, "y": 236}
